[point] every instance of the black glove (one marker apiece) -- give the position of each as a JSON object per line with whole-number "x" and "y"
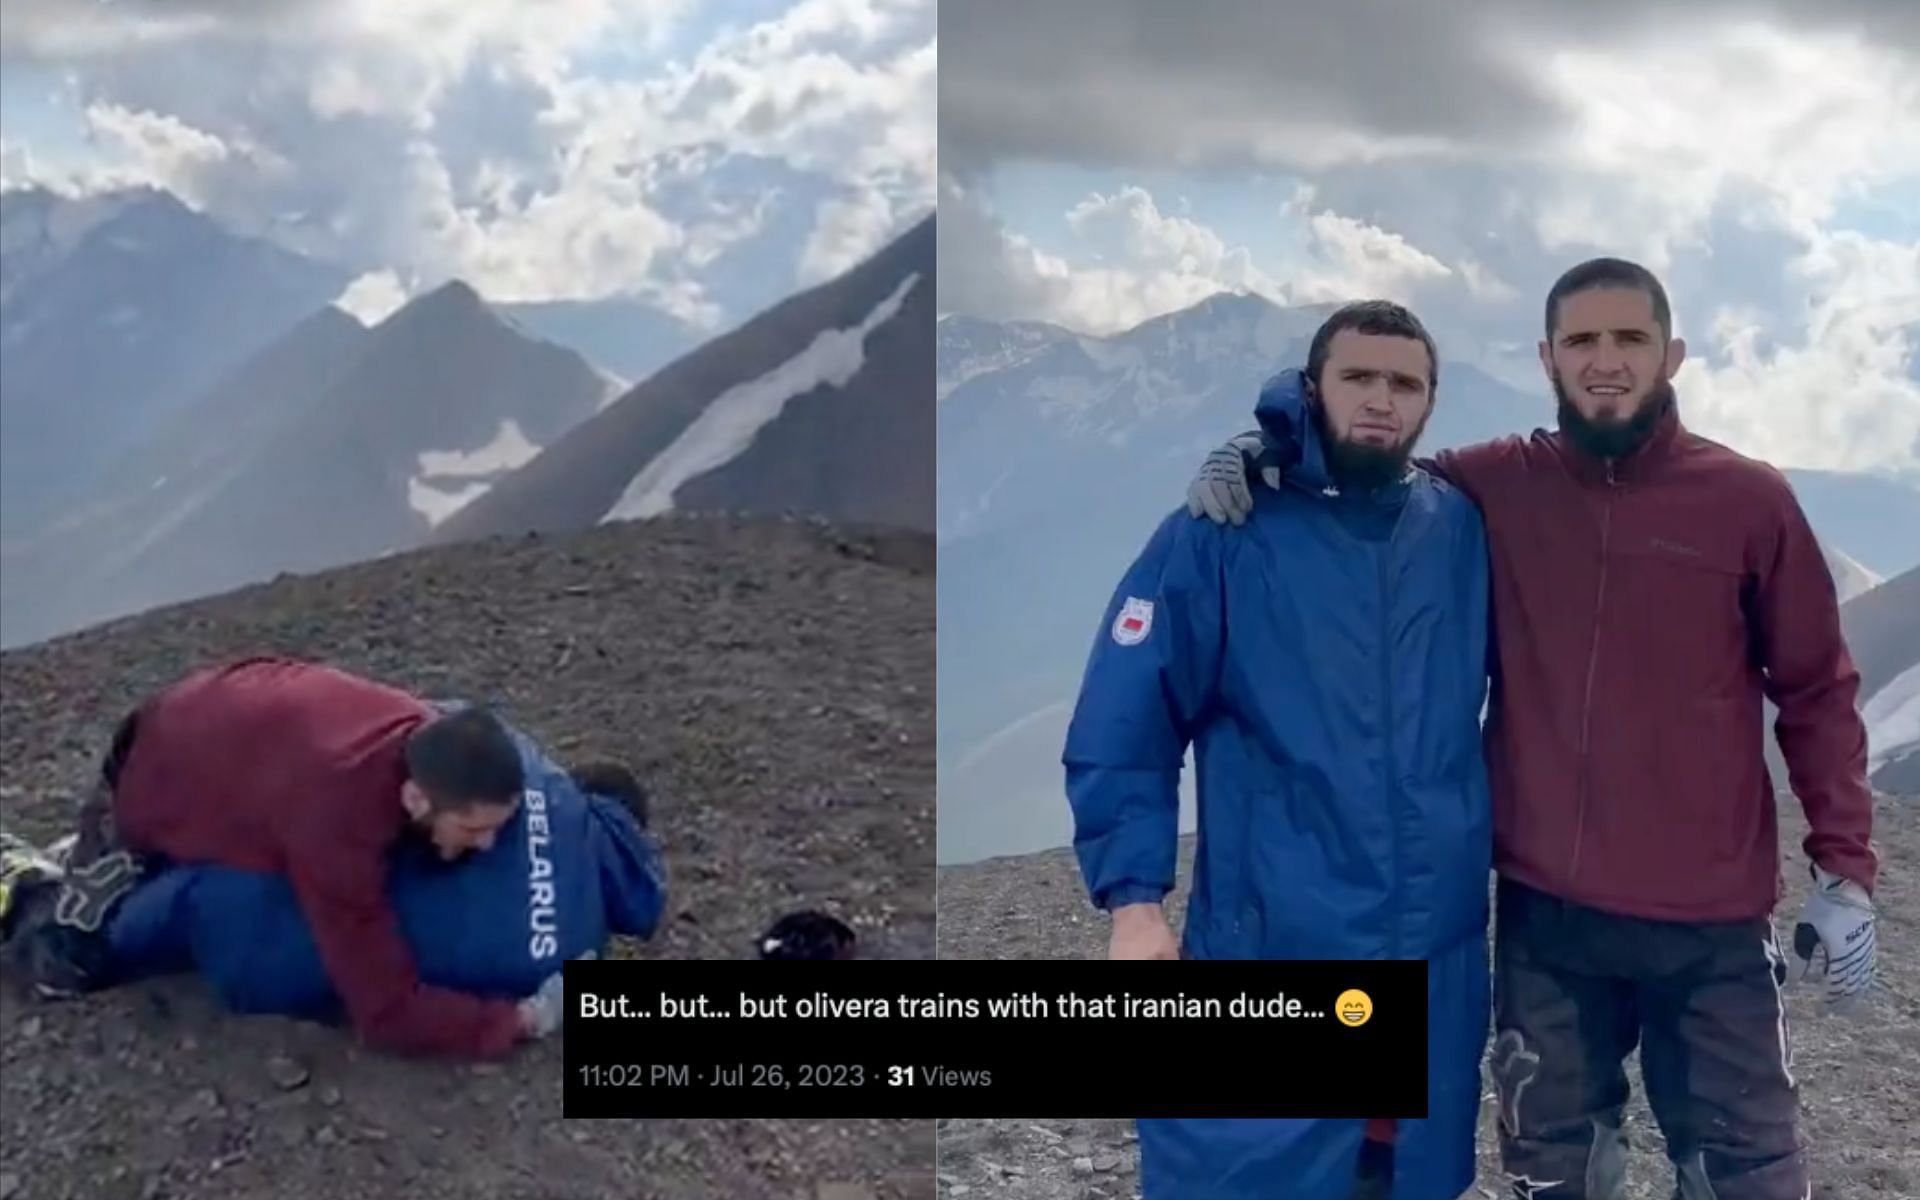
{"x": 809, "y": 935}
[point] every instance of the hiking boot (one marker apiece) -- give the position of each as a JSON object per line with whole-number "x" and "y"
{"x": 89, "y": 892}
{"x": 51, "y": 961}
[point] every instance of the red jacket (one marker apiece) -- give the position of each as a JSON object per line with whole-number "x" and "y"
{"x": 1641, "y": 613}
{"x": 270, "y": 765}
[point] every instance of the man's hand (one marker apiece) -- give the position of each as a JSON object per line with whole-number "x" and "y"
{"x": 541, "y": 1013}
{"x": 1141, "y": 931}
{"x": 1219, "y": 489}
{"x": 1835, "y": 940}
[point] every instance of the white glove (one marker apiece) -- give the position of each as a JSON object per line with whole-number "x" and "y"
{"x": 542, "y": 1012}
{"x": 1835, "y": 941}
{"x": 1219, "y": 490}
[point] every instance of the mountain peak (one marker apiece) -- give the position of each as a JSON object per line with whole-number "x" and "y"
{"x": 455, "y": 293}
{"x": 453, "y": 305}
{"x": 329, "y": 317}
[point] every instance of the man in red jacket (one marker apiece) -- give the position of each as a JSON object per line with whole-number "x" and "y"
{"x": 1650, "y": 589}
{"x": 290, "y": 767}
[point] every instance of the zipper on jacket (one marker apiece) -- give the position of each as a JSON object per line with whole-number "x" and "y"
{"x": 1593, "y": 665}
{"x": 1386, "y": 699}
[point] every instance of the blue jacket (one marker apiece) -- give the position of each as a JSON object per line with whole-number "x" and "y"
{"x": 568, "y": 871}
{"x": 1327, "y": 664}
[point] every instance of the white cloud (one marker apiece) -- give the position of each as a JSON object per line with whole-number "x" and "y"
{"x": 497, "y": 141}
{"x": 16, "y": 165}
{"x": 1355, "y": 260}
{"x": 1731, "y": 147}
{"x": 847, "y": 231}
{"x": 1132, "y": 262}
{"x": 373, "y": 297}
{"x": 167, "y": 152}
{"x": 1843, "y": 396}
{"x": 1482, "y": 284}
{"x": 728, "y": 226}
{"x": 1132, "y": 220}
{"x": 1790, "y": 121}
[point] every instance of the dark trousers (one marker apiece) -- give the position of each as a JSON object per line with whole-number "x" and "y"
{"x": 1576, "y": 989}
{"x": 97, "y": 835}
{"x": 1375, "y": 1176}
{"x": 58, "y": 947}
{"x": 101, "y": 869}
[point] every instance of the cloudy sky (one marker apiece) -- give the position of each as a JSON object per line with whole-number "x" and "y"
{"x": 1103, "y": 161}
{"x": 705, "y": 156}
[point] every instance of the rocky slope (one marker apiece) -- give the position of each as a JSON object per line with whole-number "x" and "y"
{"x": 771, "y": 681}
{"x": 1857, "y": 1077}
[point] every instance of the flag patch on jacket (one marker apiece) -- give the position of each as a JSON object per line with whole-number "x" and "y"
{"x": 1135, "y": 620}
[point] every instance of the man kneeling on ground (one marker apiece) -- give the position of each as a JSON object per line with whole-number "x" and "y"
{"x": 304, "y": 772}
{"x": 572, "y": 868}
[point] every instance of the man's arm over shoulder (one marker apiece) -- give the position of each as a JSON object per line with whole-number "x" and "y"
{"x": 1469, "y": 526}
{"x": 1149, "y": 681}
{"x": 1811, "y": 678}
{"x": 1475, "y": 469}
{"x": 342, "y": 887}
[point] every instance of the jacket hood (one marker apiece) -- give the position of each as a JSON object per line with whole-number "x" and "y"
{"x": 1284, "y": 414}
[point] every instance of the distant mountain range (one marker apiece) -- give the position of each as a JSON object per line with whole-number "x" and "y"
{"x": 324, "y": 442}
{"x": 114, "y": 313}
{"x": 333, "y": 445}
{"x": 1058, "y": 455}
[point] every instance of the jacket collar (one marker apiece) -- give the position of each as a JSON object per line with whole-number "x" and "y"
{"x": 1285, "y": 414}
{"x": 1648, "y": 457}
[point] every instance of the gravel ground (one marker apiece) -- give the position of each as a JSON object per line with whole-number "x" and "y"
{"x": 771, "y": 681}
{"x": 1860, "y": 1079}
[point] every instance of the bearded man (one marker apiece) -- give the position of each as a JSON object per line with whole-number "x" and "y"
{"x": 1327, "y": 665}
{"x": 1651, "y": 588}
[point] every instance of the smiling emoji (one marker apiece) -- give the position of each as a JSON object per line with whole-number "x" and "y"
{"x": 1354, "y": 1008}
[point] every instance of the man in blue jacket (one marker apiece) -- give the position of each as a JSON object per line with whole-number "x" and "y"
{"x": 1333, "y": 707}
{"x": 573, "y": 866}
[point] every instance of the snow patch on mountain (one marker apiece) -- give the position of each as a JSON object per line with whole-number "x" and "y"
{"x": 970, "y": 348}
{"x": 1850, "y": 579}
{"x": 726, "y": 427}
{"x": 616, "y": 388}
{"x": 509, "y": 450}
{"x": 437, "y": 505}
{"x": 1892, "y": 718}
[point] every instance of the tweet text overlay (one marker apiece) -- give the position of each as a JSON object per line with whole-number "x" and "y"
{"x": 996, "y": 1039}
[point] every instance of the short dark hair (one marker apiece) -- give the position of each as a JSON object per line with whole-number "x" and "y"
{"x": 1378, "y": 317}
{"x": 615, "y": 781}
{"x": 465, "y": 758}
{"x": 1609, "y": 273}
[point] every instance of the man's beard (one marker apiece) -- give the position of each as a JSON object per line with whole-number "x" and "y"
{"x": 1613, "y": 439}
{"x": 1363, "y": 467}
